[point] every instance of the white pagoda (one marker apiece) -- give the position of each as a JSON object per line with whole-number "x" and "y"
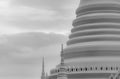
{"x": 93, "y": 48}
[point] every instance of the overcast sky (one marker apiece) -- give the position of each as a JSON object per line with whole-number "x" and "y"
{"x": 29, "y": 30}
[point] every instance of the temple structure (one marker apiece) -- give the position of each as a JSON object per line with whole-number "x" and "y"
{"x": 93, "y": 48}
{"x": 62, "y": 74}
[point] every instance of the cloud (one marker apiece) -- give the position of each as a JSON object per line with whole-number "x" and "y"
{"x": 24, "y": 17}
{"x": 21, "y": 54}
{"x": 24, "y": 44}
{"x": 38, "y": 15}
{"x": 42, "y": 3}
{"x": 24, "y": 22}
{"x": 35, "y": 39}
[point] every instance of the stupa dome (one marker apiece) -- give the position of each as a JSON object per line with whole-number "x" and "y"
{"x": 95, "y": 32}
{"x": 93, "y": 48}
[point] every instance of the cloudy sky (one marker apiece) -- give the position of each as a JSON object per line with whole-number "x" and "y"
{"x": 29, "y": 30}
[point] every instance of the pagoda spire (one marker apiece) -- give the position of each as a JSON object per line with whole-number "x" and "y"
{"x": 43, "y": 75}
{"x": 62, "y": 68}
{"x": 43, "y": 66}
{"x": 62, "y": 53}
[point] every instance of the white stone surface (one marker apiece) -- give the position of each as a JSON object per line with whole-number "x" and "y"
{"x": 96, "y": 32}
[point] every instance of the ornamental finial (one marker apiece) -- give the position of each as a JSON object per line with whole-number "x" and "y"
{"x": 62, "y": 53}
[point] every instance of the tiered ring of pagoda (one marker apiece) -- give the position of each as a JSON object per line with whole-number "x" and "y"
{"x": 96, "y": 30}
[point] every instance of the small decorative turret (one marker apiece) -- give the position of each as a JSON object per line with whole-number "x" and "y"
{"x": 111, "y": 76}
{"x": 62, "y": 57}
{"x": 117, "y": 75}
{"x": 62, "y": 67}
{"x": 43, "y": 75}
{"x": 47, "y": 76}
